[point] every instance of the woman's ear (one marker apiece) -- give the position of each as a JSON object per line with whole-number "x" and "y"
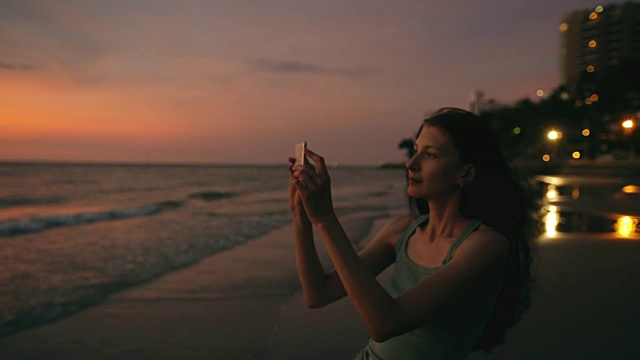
{"x": 467, "y": 175}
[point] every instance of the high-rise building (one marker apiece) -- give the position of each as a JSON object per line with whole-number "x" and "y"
{"x": 476, "y": 102}
{"x": 593, "y": 39}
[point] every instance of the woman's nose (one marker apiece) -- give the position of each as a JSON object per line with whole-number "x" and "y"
{"x": 411, "y": 164}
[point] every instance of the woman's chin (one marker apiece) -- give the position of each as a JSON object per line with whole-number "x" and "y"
{"x": 411, "y": 191}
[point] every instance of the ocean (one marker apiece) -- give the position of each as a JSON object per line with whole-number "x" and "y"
{"x": 72, "y": 234}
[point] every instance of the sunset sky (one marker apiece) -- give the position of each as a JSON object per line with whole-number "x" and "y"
{"x": 242, "y": 81}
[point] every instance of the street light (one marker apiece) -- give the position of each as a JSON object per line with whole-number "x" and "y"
{"x": 628, "y": 124}
{"x": 554, "y": 135}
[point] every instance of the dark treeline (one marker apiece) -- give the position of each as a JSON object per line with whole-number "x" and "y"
{"x": 599, "y": 102}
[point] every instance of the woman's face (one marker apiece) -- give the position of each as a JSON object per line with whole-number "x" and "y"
{"x": 435, "y": 170}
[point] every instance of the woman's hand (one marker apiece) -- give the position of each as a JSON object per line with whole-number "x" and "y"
{"x": 295, "y": 202}
{"x": 313, "y": 186}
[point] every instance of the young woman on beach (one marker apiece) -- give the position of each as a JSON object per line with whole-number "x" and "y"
{"x": 462, "y": 260}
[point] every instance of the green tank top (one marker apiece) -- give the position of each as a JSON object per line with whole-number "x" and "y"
{"x": 448, "y": 338}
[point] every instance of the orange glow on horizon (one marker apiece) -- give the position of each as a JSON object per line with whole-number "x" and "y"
{"x": 41, "y": 111}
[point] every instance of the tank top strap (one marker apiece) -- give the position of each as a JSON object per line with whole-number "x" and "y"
{"x": 471, "y": 227}
{"x": 408, "y": 232}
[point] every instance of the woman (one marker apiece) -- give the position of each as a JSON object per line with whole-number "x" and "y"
{"x": 461, "y": 274}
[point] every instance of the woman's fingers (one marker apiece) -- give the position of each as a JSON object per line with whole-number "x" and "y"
{"x": 309, "y": 179}
{"x": 303, "y": 191}
{"x": 319, "y": 160}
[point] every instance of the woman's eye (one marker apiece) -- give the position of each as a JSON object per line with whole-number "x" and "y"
{"x": 429, "y": 155}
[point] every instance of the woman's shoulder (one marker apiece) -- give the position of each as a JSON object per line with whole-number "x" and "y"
{"x": 488, "y": 237}
{"x": 402, "y": 222}
{"x": 392, "y": 230}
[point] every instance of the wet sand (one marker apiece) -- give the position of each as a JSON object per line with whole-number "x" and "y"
{"x": 585, "y": 305}
{"x": 244, "y": 303}
{"x": 227, "y": 306}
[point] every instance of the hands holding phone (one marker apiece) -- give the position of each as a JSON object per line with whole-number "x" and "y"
{"x": 310, "y": 188}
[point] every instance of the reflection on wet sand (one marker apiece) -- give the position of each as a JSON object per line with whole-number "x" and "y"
{"x": 588, "y": 205}
{"x": 626, "y": 226}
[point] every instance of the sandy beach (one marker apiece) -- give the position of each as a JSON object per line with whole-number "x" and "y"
{"x": 244, "y": 303}
{"x": 227, "y": 306}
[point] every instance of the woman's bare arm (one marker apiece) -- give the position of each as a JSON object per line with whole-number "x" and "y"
{"x": 479, "y": 264}
{"x": 321, "y": 288}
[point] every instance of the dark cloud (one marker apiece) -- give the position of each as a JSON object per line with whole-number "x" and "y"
{"x": 299, "y": 67}
{"x": 15, "y": 67}
{"x": 63, "y": 34}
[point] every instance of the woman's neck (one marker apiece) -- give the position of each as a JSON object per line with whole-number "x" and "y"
{"x": 445, "y": 219}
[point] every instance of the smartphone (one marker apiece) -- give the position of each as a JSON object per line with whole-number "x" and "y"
{"x": 299, "y": 150}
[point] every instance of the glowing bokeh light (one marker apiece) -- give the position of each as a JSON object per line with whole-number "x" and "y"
{"x": 593, "y": 44}
{"x": 546, "y": 157}
{"x": 599, "y": 9}
{"x": 576, "y": 155}
{"x": 540, "y": 93}
{"x": 586, "y": 132}
{"x": 593, "y": 15}
{"x": 575, "y": 193}
{"x": 631, "y": 189}
{"x": 594, "y": 97}
{"x": 564, "y": 27}
{"x": 553, "y": 135}
{"x": 627, "y": 124}
{"x": 517, "y": 130}
{"x": 551, "y": 221}
{"x": 552, "y": 192}
{"x": 625, "y": 226}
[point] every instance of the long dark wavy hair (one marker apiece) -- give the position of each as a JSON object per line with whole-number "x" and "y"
{"x": 501, "y": 200}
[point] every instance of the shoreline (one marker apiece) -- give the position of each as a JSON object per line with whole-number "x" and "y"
{"x": 192, "y": 312}
{"x": 245, "y": 303}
